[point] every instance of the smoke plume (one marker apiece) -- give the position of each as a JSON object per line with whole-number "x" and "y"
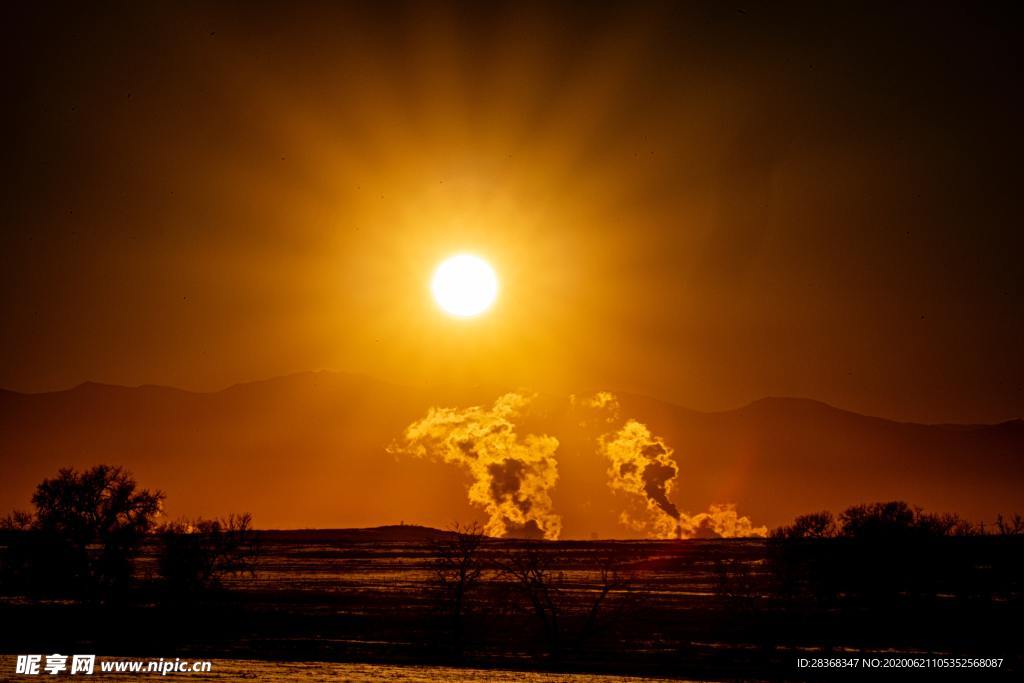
{"x": 512, "y": 477}
{"x": 602, "y": 407}
{"x": 642, "y": 464}
{"x": 720, "y": 521}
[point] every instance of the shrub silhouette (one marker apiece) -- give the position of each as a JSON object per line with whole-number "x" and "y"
{"x": 195, "y": 556}
{"x": 19, "y": 520}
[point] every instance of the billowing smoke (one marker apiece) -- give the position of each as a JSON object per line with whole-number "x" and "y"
{"x": 642, "y": 464}
{"x": 720, "y": 521}
{"x": 601, "y": 407}
{"x": 512, "y": 477}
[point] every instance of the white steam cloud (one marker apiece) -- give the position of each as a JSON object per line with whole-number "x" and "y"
{"x": 512, "y": 476}
{"x": 641, "y": 464}
{"x": 601, "y": 407}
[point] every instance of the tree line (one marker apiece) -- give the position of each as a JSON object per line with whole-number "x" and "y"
{"x": 895, "y": 520}
{"x": 87, "y": 529}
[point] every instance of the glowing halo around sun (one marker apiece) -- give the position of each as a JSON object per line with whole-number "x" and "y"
{"x": 464, "y": 285}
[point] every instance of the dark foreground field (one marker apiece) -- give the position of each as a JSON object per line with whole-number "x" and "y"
{"x": 711, "y": 609}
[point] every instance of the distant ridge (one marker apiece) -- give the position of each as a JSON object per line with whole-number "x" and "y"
{"x": 767, "y": 403}
{"x": 308, "y": 450}
{"x": 385, "y": 533}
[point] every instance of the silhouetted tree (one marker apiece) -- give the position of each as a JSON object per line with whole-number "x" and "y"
{"x": 531, "y": 571}
{"x": 458, "y": 569}
{"x": 1010, "y": 526}
{"x": 881, "y": 552}
{"x": 893, "y": 520}
{"x": 612, "y": 596}
{"x": 878, "y": 520}
{"x": 195, "y": 556}
{"x": 932, "y": 525}
{"x": 814, "y": 525}
{"x": 897, "y": 520}
{"x": 85, "y": 531}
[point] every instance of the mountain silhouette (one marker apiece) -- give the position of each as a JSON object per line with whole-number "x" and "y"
{"x": 308, "y": 450}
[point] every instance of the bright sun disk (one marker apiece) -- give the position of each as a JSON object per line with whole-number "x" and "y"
{"x": 464, "y": 285}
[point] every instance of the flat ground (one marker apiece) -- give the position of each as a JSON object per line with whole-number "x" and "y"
{"x": 711, "y": 609}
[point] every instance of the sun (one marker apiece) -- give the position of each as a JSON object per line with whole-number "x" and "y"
{"x": 464, "y": 285}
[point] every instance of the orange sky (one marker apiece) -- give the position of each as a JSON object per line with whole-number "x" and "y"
{"x": 699, "y": 203}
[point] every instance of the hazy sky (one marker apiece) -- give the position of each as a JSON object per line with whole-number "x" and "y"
{"x": 704, "y": 202}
